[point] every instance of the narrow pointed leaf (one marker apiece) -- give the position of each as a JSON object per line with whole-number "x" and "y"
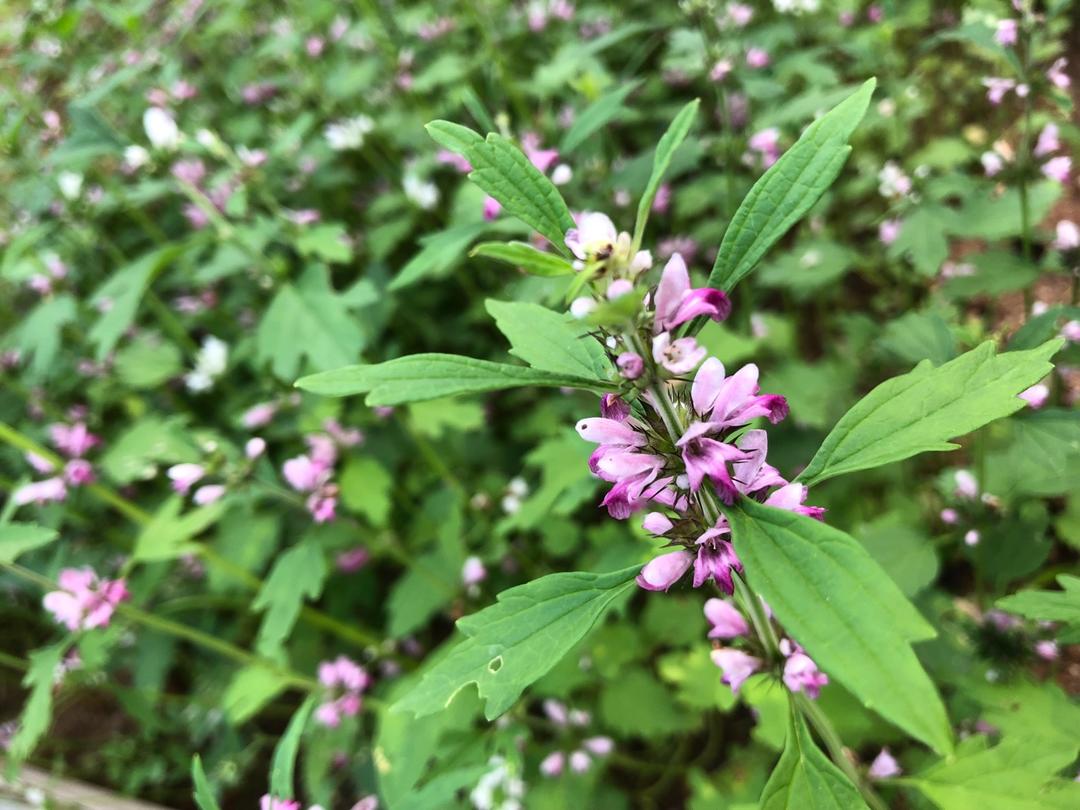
{"x": 669, "y": 143}
{"x": 284, "y": 763}
{"x": 204, "y": 794}
{"x": 846, "y": 611}
{"x": 532, "y": 261}
{"x": 788, "y": 189}
{"x": 595, "y": 116}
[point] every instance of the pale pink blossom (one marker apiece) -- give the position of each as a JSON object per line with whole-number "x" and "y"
{"x": 726, "y": 620}
{"x": 757, "y": 58}
{"x": 736, "y": 666}
{"x": 552, "y": 765}
{"x": 801, "y": 673}
{"x": 73, "y": 440}
{"x": 40, "y": 492}
{"x": 1048, "y": 140}
{"x": 206, "y": 495}
{"x": 78, "y": 472}
{"x": 353, "y": 560}
{"x": 884, "y": 766}
{"x": 1057, "y": 75}
{"x": 1058, "y": 168}
{"x": 1035, "y": 396}
{"x": 473, "y": 571}
{"x": 889, "y": 231}
{"x": 660, "y": 573}
{"x": 1047, "y": 650}
{"x": 950, "y": 517}
{"x": 996, "y": 88}
{"x": 254, "y": 447}
{"x": 84, "y": 601}
{"x": 972, "y": 538}
{"x": 184, "y": 476}
{"x": 630, "y": 365}
{"x": 679, "y": 356}
{"x": 1066, "y": 235}
{"x": 992, "y": 163}
{"x": 1006, "y": 32}
{"x": 258, "y": 415}
{"x": 676, "y": 302}
{"x": 268, "y": 802}
{"x": 580, "y": 762}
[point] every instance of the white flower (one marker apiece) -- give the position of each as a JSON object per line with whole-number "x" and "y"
{"x": 210, "y": 364}
{"x": 562, "y": 175}
{"x": 1067, "y": 235}
{"x": 135, "y": 156}
{"x": 348, "y": 133}
{"x": 161, "y": 129}
{"x": 595, "y": 235}
{"x": 70, "y": 184}
{"x": 892, "y": 182}
{"x": 423, "y": 193}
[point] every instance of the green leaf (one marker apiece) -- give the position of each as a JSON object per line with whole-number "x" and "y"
{"x": 595, "y": 116}
{"x": 1016, "y": 774}
{"x": 852, "y": 618}
{"x": 920, "y": 411}
{"x": 284, "y": 762}
{"x": 167, "y": 536}
{"x": 135, "y": 454}
{"x": 806, "y": 779}
{"x": 500, "y": 169}
{"x": 420, "y": 377}
{"x": 249, "y": 690}
{"x": 119, "y": 297}
{"x": 1048, "y": 606}
{"x": 37, "y": 711}
{"x": 439, "y": 253}
{"x": 635, "y": 704}
{"x": 669, "y": 142}
{"x": 923, "y": 239}
{"x": 39, "y": 335}
{"x": 326, "y": 241}
{"x": 204, "y": 794}
{"x": 309, "y": 320}
{"x": 788, "y": 189}
{"x": 526, "y": 257}
{"x": 147, "y": 363}
{"x": 549, "y": 340}
{"x": 367, "y": 488}
{"x": 510, "y": 644}
{"x": 298, "y": 573}
{"x": 18, "y": 538}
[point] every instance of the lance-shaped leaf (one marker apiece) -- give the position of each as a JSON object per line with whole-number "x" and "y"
{"x": 670, "y": 141}
{"x": 503, "y": 171}
{"x": 553, "y": 341}
{"x": 831, "y": 596}
{"x": 510, "y": 644}
{"x": 922, "y": 410}
{"x": 203, "y": 794}
{"x": 284, "y": 763}
{"x": 596, "y": 115}
{"x": 805, "y": 779}
{"x": 788, "y": 189}
{"x": 519, "y": 254}
{"x": 1048, "y": 606}
{"x": 420, "y": 377}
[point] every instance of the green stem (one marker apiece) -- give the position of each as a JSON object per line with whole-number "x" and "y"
{"x": 829, "y": 737}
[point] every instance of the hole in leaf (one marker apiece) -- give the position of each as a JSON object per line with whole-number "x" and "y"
{"x": 495, "y": 664}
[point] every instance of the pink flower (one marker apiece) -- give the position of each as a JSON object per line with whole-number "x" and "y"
{"x": 1006, "y": 32}
{"x": 996, "y": 88}
{"x": 726, "y": 621}
{"x": 204, "y": 496}
{"x": 614, "y": 407}
{"x": 767, "y": 144}
{"x": 78, "y": 472}
{"x": 353, "y": 560}
{"x": 39, "y": 492}
{"x": 268, "y": 802}
{"x": 1048, "y": 140}
{"x": 949, "y": 517}
{"x": 630, "y": 365}
{"x": 680, "y": 356}
{"x": 599, "y": 746}
{"x": 1047, "y": 650}
{"x": 492, "y": 207}
{"x": 736, "y": 665}
{"x": 84, "y": 601}
{"x": 992, "y": 163}
{"x": 733, "y": 401}
{"x": 660, "y": 573}
{"x": 972, "y": 538}
{"x": 966, "y": 485}
{"x": 875, "y": 14}
{"x": 1071, "y": 331}
{"x": 552, "y": 765}
{"x": 595, "y": 236}
{"x": 662, "y": 200}
{"x": 716, "y": 559}
{"x": 889, "y": 230}
{"x": 752, "y": 473}
{"x": 721, "y": 70}
{"x": 473, "y": 571}
{"x": 344, "y": 680}
{"x": 657, "y": 523}
{"x": 738, "y": 14}
{"x": 884, "y": 766}
{"x": 254, "y": 447}
{"x": 708, "y": 458}
{"x": 322, "y": 506}
{"x": 73, "y": 440}
{"x": 1036, "y": 395}
{"x": 791, "y": 498}
{"x": 41, "y": 465}
{"x": 304, "y": 474}
{"x": 1058, "y": 168}
{"x": 1057, "y": 75}
{"x": 676, "y": 302}
{"x": 454, "y": 159}
{"x": 1066, "y": 235}
{"x": 800, "y": 672}
{"x": 542, "y": 159}
{"x": 580, "y": 762}
{"x": 757, "y": 58}
{"x": 183, "y": 476}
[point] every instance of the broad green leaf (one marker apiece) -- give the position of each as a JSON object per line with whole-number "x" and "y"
{"x": 1048, "y": 606}
{"x": 923, "y": 239}
{"x": 669, "y": 142}
{"x": 168, "y": 535}
{"x": 503, "y": 171}
{"x": 852, "y": 618}
{"x": 37, "y": 711}
{"x": 510, "y": 644}
{"x": 1025, "y": 708}
{"x": 420, "y": 377}
{"x": 788, "y": 189}
{"x": 38, "y": 337}
{"x": 148, "y": 363}
{"x": 442, "y": 790}
{"x": 136, "y": 453}
{"x": 902, "y": 550}
{"x": 922, "y": 410}
{"x": 119, "y": 297}
{"x": 204, "y": 794}
{"x": 367, "y": 487}
{"x": 284, "y": 762}
{"x": 18, "y": 538}
{"x": 549, "y": 340}
{"x": 525, "y": 256}
{"x": 327, "y": 241}
{"x": 250, "y": 689}
{"x": 435, "y": 417}
{"x": 308, "y": 320}
{"x": 806, "y": 779}
{"x": 635, "y": 704}
{"x": 1019, "y": 773}
{"x": 297, "y": 574}
{"x": 596, "y": 116}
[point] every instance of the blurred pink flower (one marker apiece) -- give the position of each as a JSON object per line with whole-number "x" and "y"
{"x": 84, "y": 601}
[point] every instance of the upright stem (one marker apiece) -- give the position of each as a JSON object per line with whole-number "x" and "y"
{"x": 824, "y": 727}
{"x": 1023, "y": 166}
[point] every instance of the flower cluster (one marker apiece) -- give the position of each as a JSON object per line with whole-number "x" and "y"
{"x": 345, "y": 682}
{"x": 73, "y": 441}
{"x": 84, "y": 600}
{"x": 311, "y": 472}
{"x": 581, "y": 758}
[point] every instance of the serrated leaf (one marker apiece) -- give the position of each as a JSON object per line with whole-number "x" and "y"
{"x": 922, "y": 410}
{"x": 283, "y": 764}
{"x": 167, "y": 535}
{"x": 308, "y": 320}
{"x": 147, "y": 363}
{"x": 549, "y": 340}
{"x": 595, "y": 116}
{"x": 788, "y": 189}
{"x": 805, "y": 779}
{"x": 204, "y": 794}
{"x": 367, "y": 488}
{"x": 327, "y": 241}
{"x": 439, "y": 253}
{"x": 526, "y": 257}
{"x": 453, "y": 136}
{"x": 36, "y": 714}
{"x": 297, "y": 574}
{"x": 18, "y": 538}
{"x": 669, "y": 143}
{"x": 851, "y": 617}
{"x": 1048, "y": 606}
{"x": 1016, "y": 774}
{"x": 419, "y": 377}
{"x": 510, "y": 644}
{"x": 38, "y": 337}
